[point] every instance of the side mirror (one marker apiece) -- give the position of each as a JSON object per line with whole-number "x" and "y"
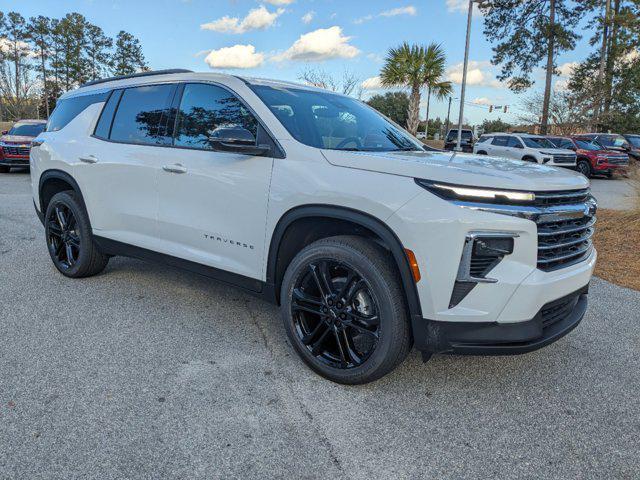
{"x": 4, "y": 132}
{"x": 573, "y": 148}
{"x": 519, "y": 145}
{"x": 237, "y": 140}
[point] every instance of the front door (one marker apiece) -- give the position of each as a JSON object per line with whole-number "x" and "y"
{"x": 213, "y": 204}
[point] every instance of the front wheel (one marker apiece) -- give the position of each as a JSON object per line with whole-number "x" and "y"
{"x": 344, "y": 311}
{"x": 584, "y": 168}
{"x": 69, "y": 239}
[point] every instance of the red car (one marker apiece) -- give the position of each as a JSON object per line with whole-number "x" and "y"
{"x": 15, "y": 144}
{"x": 593, "y": 158}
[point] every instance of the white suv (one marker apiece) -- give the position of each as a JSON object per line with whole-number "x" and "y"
{"x": 316, "y": 202}
{"x": 530, "y": 148}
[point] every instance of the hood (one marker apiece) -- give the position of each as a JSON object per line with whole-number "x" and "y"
{"x": 19, "y": 139}
{"x": 556, "y": 151}
{"x": 462, "y": 169}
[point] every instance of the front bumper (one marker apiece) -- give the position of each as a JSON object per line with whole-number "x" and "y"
{"x": 11, "y": 161}
{"x": 552, "y": 322}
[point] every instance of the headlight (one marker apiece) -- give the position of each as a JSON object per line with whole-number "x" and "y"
{"x": 490, "y": 195}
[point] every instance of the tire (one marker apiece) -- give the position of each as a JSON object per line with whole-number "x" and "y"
{"x": 529, "y": 159}
{"x": 69, "y": 239}
{"x": 584, "y": 168}
{"x": 609, "y": 174}
{"x": 482, "y": 152}
{"x": 4, "y": 169}
{"x": 364, "y": 308}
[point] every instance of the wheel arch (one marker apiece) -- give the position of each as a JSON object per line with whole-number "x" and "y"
{"x": 55, "y": 181}
{"x": 305, "y": 224}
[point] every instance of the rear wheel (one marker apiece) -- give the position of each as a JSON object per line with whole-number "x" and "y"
{"x": 69, "y": 238}
{"x": 4, "y": 169}
{"x": 344, "y": 311}
{"x": 584, "y": 168}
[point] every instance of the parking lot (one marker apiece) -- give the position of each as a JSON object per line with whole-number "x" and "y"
{"x": 149, "y": 372}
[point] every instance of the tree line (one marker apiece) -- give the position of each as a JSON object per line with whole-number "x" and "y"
{"x": 603, "y": 91}
{"x": 42, "y": 57}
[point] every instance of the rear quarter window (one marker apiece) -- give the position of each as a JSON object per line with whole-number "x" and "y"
{"x": 69, "y": 108}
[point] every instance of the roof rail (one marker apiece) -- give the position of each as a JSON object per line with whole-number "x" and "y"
{"x": 136, "y": 75}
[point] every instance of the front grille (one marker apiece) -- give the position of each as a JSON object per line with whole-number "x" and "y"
{"x": 21, "y": 151}
{"x": 618, "y": 160}
{"x": 564, "y": 158}
{"x": 563, "y": 197}
{"x": 567, "y": 241}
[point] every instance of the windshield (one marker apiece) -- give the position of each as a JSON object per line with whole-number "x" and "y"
{"x": 27, "y": 129}
{"x": 334, "y": 122}
{"x": 634, "y": 140}
{"x": 537, "y": 142}
{"x": 616, "y": 141}
{"x": 588, "y": 145}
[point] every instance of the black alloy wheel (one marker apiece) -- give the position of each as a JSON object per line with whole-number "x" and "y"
{"x": 335, "y": 314}
{"x": 69, "y": 237}
{"x": 344, "y": 310}
{"x": 63, "y": 238}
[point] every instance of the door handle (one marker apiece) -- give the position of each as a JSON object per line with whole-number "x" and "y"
{"x": 176, "y": 168}
{"x": 89, "y": 159}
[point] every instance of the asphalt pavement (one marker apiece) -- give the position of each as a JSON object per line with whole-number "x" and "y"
{"x": 148, "y": 372}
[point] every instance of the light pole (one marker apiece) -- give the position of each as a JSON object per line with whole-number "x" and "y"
{"x": 464, "y": 78}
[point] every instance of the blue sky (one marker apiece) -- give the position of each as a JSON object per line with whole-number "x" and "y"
{"x": 282, "y": 38}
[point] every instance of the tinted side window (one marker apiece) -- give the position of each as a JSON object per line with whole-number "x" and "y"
{"x": 103, "y": 128}
{"x": 144, "y": 115}
{"x": 69, "y": 108}
{"x": 500, "y": 141}
{"x": 513, "y": 142}
{"x": 205, "y": 110}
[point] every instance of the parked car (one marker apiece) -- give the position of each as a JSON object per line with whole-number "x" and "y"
{"x": 634, "y": 145}
{"x": 466, "y": 143}
{"x": 523, "y": 146}
{"x": 593, "y": 158}
{"x": 421, "y": 135}
{"x": 316, "y": 202}
{"x": 15, "y": 143}
{"x": 611, "y": 141}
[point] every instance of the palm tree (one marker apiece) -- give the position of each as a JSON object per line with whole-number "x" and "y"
{"x": 416, "y": 67}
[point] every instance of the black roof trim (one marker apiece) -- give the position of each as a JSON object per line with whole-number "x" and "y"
{"x": 136, "y": 75}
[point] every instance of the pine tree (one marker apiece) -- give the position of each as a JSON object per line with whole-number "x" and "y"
{"x": 40, "y": 33}
{"x": 526, "y": 34}
{"x": 128, "y": 57}
{"x": 97, "y": 49}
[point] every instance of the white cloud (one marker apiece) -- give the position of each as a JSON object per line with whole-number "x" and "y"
{"x": 478, "y": 73}
{"x": 238, "y": 56}
{"x": 279, "y": 2}
{"x": 566, "y": 69}
{"x": 24, "y": 48}
{"x": 321, "y": 44}
{"x": 482, "y": 101}
{"x": 308, "y": 17}
{"x": 257, "y": 19}
{"x": 461, "y": 6}
{"x": 373, "y": 83}
{"x": 408, "y": 10}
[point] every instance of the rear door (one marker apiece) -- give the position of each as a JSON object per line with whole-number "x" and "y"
{"x": 499, "y": 146}
{"x": 213, "y": 204}
{"x": 118, "y": 168}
